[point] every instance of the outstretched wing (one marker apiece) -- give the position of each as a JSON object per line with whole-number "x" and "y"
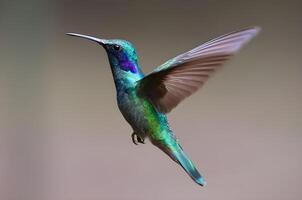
{"x": 181, "y": 76}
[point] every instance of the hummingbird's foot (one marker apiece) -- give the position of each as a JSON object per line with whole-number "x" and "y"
{"x": 136, "y": 138}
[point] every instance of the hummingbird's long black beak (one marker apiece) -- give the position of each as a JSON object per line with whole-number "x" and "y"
{"x": 100, "y": 41}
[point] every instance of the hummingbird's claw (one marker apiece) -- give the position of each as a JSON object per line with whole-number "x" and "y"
{"x": 140, "y": 140}
{"x": 133, "y": 138}
{"x": 136, "y": 139}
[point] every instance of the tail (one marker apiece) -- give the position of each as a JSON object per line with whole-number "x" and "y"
{"x": 179, "y": 156}
{"x": 188, "y": 166}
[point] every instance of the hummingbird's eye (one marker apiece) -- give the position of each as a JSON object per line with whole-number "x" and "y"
{"x": 117, "y": 47}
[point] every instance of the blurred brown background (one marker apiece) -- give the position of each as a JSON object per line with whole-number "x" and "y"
{"x": 63, "y": 138}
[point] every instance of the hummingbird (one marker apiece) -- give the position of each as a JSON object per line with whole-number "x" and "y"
{"x": 144, "y": 100}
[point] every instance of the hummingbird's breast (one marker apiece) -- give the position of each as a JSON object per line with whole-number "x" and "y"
{"x": 131, "y": 108}
{"x": 141, "y": 115}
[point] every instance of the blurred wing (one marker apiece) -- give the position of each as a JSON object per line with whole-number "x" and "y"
{"x": 181, "y": 76}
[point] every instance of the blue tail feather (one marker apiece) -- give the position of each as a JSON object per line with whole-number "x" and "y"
{"x": 188, "y": 166}
{"x": 177, "y": 154}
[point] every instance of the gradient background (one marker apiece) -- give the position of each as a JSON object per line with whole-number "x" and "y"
{"x": 63, "y": 138}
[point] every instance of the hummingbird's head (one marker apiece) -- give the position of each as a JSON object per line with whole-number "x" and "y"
{"x": 121, "y": 53}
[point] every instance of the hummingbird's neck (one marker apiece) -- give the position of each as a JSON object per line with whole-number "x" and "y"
{"x": 125, "y": 74}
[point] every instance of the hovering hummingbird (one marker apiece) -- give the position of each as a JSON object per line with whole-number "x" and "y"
{"x": 144, "y": 100}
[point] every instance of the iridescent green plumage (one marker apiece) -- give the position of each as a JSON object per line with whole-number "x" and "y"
{"x": 145, "y": 100}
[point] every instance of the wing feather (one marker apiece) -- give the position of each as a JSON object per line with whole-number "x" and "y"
{"x": 183, "y": 75}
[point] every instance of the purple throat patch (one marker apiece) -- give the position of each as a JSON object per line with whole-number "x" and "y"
{"x": 128, "y": 66}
